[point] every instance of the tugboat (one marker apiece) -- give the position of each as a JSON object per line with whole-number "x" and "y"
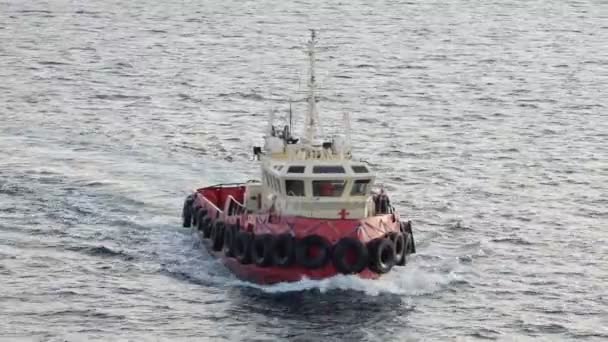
{"x": 312, "y": 215}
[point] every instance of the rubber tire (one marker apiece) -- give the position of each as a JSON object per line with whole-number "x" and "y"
{"x": 205, "y": 227}
{"x": 304, "y": 244}
{"x": 242, "y": 247}
{"x": 261, "y": 251}
{"x": 195, "y": 209}
{"x": 381, "y": 255}
{"x": 217, "y": 236}
{"x": 405, "y": 227}
{"x": 398, "y": 240}
{"x": 339, "y": 256}
{"x": 200, "y": 217}
{"x": 410, "y": 244}
{"x": 229, "y": 237}
{"x": 283, "y": 251}
{"x": 187, "y": 212}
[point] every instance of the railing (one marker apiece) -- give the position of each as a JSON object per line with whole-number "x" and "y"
{"x": 223, "y": 185}
{"x": 211, "y": 204}
{"x": 235, "y": 208}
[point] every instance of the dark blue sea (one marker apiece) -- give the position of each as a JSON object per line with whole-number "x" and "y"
{"x": 486, "y": 121}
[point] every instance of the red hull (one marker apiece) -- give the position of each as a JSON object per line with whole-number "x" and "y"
{"x": 273, "y": 275}
{"x": 228, "y": 198}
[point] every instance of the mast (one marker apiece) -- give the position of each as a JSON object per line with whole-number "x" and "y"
{"x": 290, "y": 119}
{"x": 270, "y": 128}
{"x": 348, "y": 143}
{"x": 312, "y": 115}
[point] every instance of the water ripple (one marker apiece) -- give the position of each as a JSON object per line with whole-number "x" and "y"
{"x": 484, "y": 120}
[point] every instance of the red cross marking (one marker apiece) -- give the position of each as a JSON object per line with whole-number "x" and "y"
{"x": 343, "y": 213}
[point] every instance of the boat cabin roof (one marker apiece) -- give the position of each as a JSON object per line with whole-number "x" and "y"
{"x": 318, "y": 169}
{"x": 333, "y": 180}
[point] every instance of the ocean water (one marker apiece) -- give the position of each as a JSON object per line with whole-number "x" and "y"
{"x": 486, "y": 121}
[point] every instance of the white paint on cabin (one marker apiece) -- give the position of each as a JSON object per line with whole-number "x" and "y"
{"x": 305, "y": 178}
{"x": 330, "y": 188}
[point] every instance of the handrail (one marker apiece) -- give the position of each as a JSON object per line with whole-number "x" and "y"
{"x": 212, "y": 204}
{"x": 221, "y": 185}
{"x": 242, "y": 208}
{"x": 235, "y": 201}
{"x": 229, "y": 198}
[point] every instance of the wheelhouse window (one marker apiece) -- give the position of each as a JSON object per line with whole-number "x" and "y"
{"x": 360, "y": 169}
{"x": 294, "y": 187}
{"x": 296, "y": 169}
{"x": 360, "y": 187}
{"x": 328, "y": 188}
{"x": 328, "y": 169}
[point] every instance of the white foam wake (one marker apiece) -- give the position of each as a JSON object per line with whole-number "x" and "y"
{"x": 409, "y": 280}
{"x": 421, "y": 276}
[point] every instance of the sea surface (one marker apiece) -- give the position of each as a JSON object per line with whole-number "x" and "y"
{"x": 487, "y": 121}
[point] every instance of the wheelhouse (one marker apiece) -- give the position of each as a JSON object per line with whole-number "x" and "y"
{"x": 298, "y": 187}
{"x": 310, "y": 180}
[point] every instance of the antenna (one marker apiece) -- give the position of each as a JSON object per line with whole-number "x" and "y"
{"x": 346, "y": 119}
{"x": 312, "y": 113}
{"x": 290, "y": 117}
{"x": 270, "y": 129}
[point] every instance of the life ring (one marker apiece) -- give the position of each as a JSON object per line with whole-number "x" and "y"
{"x": 350, "y": 256}
{"x": 283, "y": 250}
{"x": 217, "y": 235}
{"x": 312, "y": 251}
{"x": 261, "y": 250}
{"x": 398, "y": 239}
{"x": 229, "y": 237}
{"x": 187, "y": 211}
{"x": 242, "y": 247}
{"x": 381, "y": 255}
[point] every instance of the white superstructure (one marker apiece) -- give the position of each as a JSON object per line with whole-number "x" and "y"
{"x": 312, "y": 178}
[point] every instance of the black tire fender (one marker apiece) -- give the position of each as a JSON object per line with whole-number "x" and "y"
{"x": 229, "y": 238}
{"x": 200, "y": 217}
{"x": 217, "y": 235}
{"x": 405, "y": 227}
{"x": 187, "y": 211}
{"x": 381, "y": 255}
{"x": 205, "y": 227}
{"x": 343, "y": 253}
{"x": 410, "y": 245}
{"x": 312, "y": 251}
{"x": 195, "y": 209}
{"x": 261, "y": 251}
{"x": 242, "y": 247}
{"x": 398, "y": 240}
{"x": 283, "y": 251}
